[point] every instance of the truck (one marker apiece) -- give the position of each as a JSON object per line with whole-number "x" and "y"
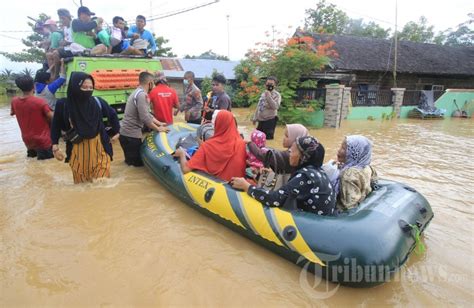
{"x": 115, "y": 78}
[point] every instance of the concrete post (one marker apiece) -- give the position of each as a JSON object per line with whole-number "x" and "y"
{"x": 397, "y": 100}
{"x": 346, "y": 99}
{"x": 333, "y": 108}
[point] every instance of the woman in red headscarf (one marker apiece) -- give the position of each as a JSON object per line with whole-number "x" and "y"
{"x": 223, "y": 155}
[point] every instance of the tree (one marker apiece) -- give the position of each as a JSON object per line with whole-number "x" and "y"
{"x": 33, "y": 53}
{"x": 162, "y": 51}
{"x": 462, "y": 36}
{"x": 326, "y": 18}
{"x": 209, "y": 55}
{"x": 27, "y": 72}
{"x": 357, "y": 27}
{"x": 289, "y": 62}
{"x": 419, "y": 31}
{"x": 6, "y": 73}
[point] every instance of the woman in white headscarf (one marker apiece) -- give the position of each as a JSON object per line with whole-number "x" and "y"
{"x": 352, "y": 179}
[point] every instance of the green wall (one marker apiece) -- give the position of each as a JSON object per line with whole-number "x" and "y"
{"x": 464, "y": 100}
{"x": 362, "y": 113}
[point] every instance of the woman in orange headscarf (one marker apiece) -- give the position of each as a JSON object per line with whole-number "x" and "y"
{"x": 223, "y": 155}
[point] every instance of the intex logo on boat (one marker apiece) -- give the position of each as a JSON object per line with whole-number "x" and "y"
{"x": 198, "y": 181}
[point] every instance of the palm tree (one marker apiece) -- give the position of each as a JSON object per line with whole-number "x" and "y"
{"x": 27, "y": 72}
{"x": 6, "y": 74}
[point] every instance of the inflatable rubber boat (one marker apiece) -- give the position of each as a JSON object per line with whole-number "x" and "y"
{"x": 361, "y": 248}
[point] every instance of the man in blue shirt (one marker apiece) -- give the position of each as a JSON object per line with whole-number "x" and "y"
{"x": 138, "y": 32}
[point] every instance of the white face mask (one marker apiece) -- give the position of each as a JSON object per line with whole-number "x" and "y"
{"x": 185, "y": 82}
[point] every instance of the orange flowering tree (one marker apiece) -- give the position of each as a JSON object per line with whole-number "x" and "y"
{"x": 289, "y": 61}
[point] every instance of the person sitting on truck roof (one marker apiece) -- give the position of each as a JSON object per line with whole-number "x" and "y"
{"x": 83, "y": 31}
{"x": 138, "y": 32}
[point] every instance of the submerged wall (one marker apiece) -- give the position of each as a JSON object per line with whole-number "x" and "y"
{"x": 464, "y": 99}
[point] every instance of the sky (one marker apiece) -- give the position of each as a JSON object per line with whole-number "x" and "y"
{"x": 228, "y": 27}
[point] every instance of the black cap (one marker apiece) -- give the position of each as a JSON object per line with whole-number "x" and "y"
{"x": 84, "y": 10}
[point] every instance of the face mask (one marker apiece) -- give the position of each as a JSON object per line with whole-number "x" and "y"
{"x": 270, "y": 87}
{"x": 84, "y": 95}
{"x": 185, "y": 82}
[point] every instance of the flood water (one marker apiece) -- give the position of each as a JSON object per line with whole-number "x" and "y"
{"x": 127, "y": 241}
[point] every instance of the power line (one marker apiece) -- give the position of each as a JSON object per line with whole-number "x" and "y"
{"x": 10, "y": 37}
{"x": 15, "y": 31}
{"x": 169, "y": 14}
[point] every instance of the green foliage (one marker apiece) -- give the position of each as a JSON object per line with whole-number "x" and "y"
{"x": 309, "y": 84}
{"x": 419, "y": 31}
{"x": 206, "y": 86}
{"x": 161, "y": 50}
{"x": 463, "y": 35}
{"x": 27, "y": 71}
{"x": 389, "y": 116}
{"x": 326, "y": 18}
{"x": 248, "y": 83}
{"x": 357, "y": 27}
{"x": 300, "y": 115}
{"x": 209, "y": 55}
{"x": 32, "y": 52}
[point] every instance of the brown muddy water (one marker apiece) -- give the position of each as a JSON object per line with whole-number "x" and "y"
{"x": 126, "y": 241}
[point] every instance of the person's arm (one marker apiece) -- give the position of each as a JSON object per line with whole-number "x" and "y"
{"x": 56, "y": 130}
{"x": 152, "y": 43}
{"x": 146, "y": 117}
{"x": 349, "y": 190}
{"x": 12, "y": 109}
{"x": 268, "y": 198}
{"x": 255, "y": 150}
{"x": 55, "y": 85}
{"x": 272, "y": 102}
{"x": 179, "y": 153}
{"x": 80, "y": 26}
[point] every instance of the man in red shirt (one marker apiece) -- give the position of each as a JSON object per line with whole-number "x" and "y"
{"x": 163, "y": 99}
{"x": 33, "y": 115}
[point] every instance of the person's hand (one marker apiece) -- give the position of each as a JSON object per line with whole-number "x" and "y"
{"x": 176, "y": 112}
{"x": 135, "y": 36}
{"x": 163, "y": 129}
{"x": 239, "y": 183}
{"x": 207, "y": 109}
{"x": 57, "y": 153}
{"x": 179, "y": 152}
{"x": 114, "y": 138}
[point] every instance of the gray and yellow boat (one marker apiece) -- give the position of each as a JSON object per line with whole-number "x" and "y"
{"x": 362, "y": 248}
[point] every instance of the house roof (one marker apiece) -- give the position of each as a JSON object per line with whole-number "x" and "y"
{"x": 371, "y": 54}
{"x": 175, "y": 68}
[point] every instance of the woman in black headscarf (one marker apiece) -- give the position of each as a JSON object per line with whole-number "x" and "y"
{"x": 308, "y": 185}
{"x": 91, "y": 154}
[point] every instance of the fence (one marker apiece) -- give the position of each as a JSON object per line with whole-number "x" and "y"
{"x": 304, "y": 95}
{"x": 413, "y": 97}
{"x": 371, "y": 98}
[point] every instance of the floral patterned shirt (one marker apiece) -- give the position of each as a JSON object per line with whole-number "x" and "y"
{"x": 311, "y": 188}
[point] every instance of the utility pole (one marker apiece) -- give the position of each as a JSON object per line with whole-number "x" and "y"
{"x": 273, "y": 36}
{"x": 228, "y": 38}
{"x": 395, "y": 37}
{"x": 152, "y": 22}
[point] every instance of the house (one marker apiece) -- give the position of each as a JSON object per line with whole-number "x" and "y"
{"x": 366, "y": 65}
{"x": 175, "y": 68}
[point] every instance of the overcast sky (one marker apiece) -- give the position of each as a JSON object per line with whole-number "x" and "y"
{"x": 209, "y": 28}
